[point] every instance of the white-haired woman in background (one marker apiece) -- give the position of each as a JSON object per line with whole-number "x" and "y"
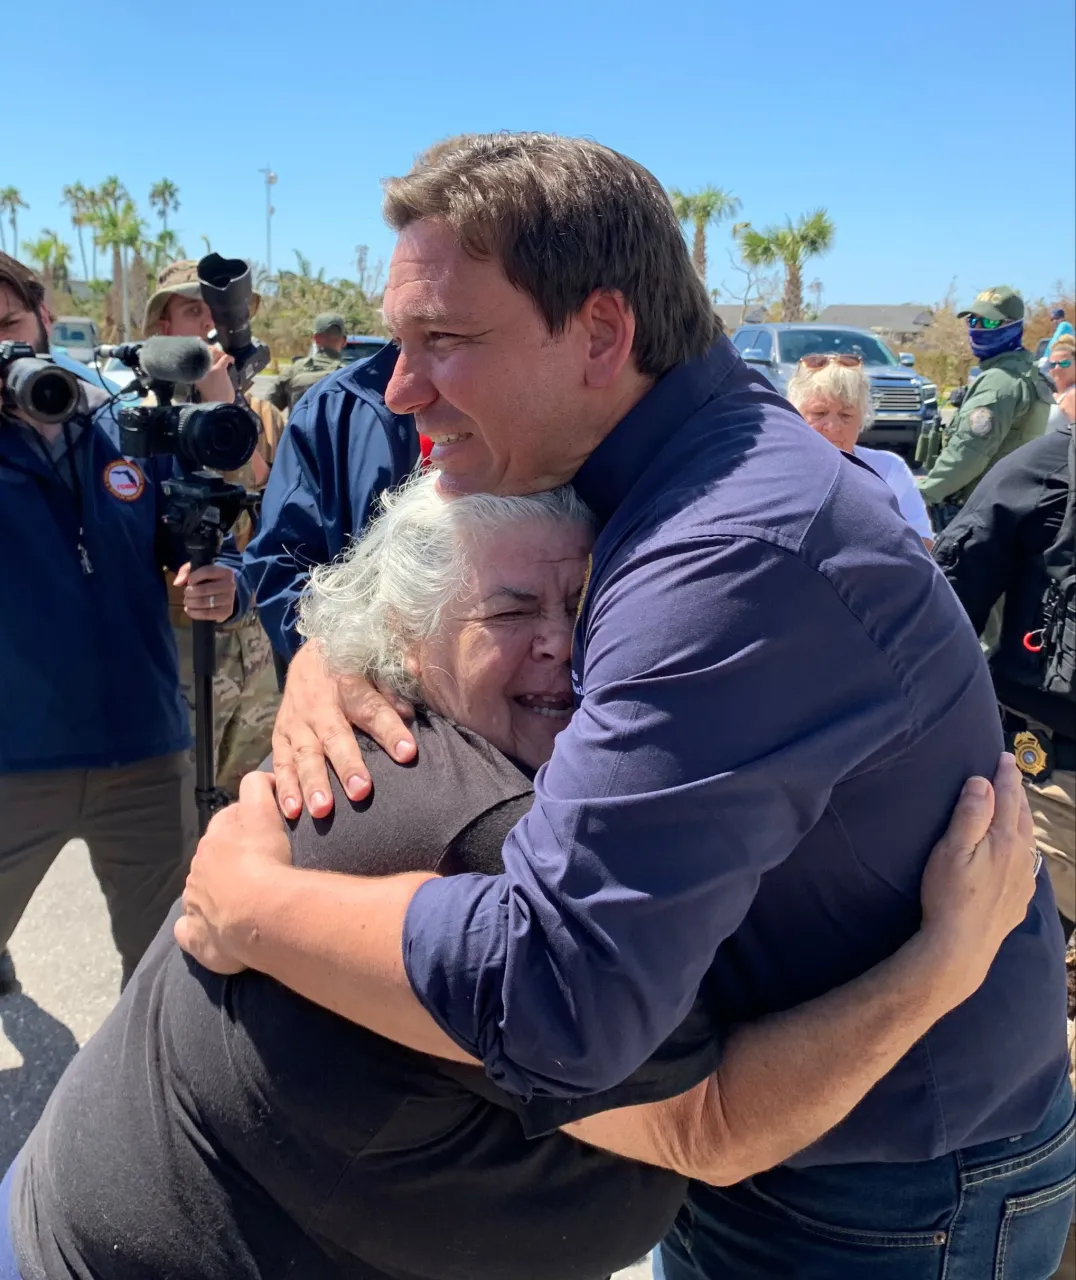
{"x": 833, "y": 393}
{"x": 226, "y": 1128}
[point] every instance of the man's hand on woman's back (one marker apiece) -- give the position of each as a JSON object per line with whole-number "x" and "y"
{"x": 315, "y": 728}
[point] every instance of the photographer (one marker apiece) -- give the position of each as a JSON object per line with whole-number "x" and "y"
{"x": 94, "y": 735}
{"x": 245, "y": 693}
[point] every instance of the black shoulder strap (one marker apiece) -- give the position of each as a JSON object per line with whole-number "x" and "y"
{"x": 1060, "y": 558}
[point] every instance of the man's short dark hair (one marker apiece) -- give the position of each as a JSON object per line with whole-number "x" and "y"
{"x": 22, "y": 282}
{"x": 565, "y": 217}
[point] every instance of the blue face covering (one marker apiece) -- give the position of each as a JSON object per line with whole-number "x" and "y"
{"x": 986, "y": 343}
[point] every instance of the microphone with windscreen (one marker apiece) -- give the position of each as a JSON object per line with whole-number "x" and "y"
{"x": 164, "y": 359}
{"x": 176, "y": 359}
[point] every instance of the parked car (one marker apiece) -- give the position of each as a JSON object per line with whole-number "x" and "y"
{"x": 116, "y": 371}
{"x": 77, "y": 335}
{"x": 87, "y": 372}
{"x": 904, "y": 401}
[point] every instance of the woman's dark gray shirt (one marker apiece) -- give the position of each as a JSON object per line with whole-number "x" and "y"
{"x": 224, "y": 1128}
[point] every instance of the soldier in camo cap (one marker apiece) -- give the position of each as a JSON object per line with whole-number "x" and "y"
{"x": 245, "y": 693}
{"x": 330, "y": 338}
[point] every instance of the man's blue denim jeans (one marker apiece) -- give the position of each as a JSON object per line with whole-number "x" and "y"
{"x": 999, "y": 1211}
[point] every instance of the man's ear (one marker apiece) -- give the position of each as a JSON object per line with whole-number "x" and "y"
{"x": 609, "y": 324}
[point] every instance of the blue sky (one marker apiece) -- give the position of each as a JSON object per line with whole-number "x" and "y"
{"x": 924, "y": 128}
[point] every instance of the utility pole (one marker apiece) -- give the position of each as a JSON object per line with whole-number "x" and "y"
{"x": 270, "y": 182}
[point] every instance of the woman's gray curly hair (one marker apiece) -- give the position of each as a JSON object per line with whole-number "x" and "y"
{"x": 391, "y": 587}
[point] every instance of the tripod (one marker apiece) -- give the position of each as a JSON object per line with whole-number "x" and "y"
{"x": 201, "y": 508}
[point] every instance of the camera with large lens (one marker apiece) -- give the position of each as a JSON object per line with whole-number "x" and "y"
{"x": 210, "y": 436}
{"x": 227, "y": 290}
{"x": 36, "y": 386}
{"x": 220, "y": 437}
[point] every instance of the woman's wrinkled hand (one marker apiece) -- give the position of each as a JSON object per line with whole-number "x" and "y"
{"x": 314, "y": 728}
{"x": 980, "y": 877}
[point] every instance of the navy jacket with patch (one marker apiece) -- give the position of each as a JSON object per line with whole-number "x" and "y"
{"x": 341, "y": 449}
{"x": 89, "y": 675}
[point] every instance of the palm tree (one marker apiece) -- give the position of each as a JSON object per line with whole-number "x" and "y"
{"x": 119, "y": 228}
{"x": 164, "y": 249}
{"x": 94, "y": 205}
{"x": 710, "y": 205}
{"x": 11, "y": 202}
{"x": 164, "y": 197}
{"x": 52, "y": 256}
{"x": 791, "y": 245}
{"x": 80, "y": 201}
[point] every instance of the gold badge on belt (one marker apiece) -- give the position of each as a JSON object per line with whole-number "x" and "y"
{"x": 1030, "y": 754}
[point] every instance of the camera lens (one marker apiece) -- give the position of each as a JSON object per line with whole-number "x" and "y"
{"x": 218, "y": 436}
{"x": 43, "y": 390}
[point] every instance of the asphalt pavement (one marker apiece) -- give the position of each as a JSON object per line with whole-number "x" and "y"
{"x": 69, "y": 974}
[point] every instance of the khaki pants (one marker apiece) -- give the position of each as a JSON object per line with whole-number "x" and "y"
{"x": 1053, "y": 806}
{"x": 141, "y": 826}
{"x": 245, "y": 698}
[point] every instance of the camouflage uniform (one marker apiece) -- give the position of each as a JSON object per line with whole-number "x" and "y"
{"x": 1006, "y": 406}
{"x": 302, "y": 374}
{"x": 245, "y": 693}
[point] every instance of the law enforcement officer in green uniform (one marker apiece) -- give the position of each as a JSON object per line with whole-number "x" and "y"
{"x": 1006, "y": 406}
{"x": 330, "y": 337}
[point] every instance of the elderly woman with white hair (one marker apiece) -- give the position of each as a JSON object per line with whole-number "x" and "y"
{"x": 833, "y": 394}
{"x": 226, "y": 1128}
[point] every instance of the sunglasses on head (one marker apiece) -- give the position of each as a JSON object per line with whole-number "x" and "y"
{"x": 819, "y": 361}
{"x": 1060, "y": 364}
{"x": 981, "y": 322}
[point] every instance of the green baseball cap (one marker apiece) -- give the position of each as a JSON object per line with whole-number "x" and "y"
{"x": 1000, "y": 303}
{"x": 329, "y": 320}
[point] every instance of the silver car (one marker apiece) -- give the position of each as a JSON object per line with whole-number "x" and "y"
{"x": 904, "y": 401}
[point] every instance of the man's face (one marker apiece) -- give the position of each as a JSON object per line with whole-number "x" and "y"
{"x": 19, "y": 324}
{"x": 502, "y": 399}
{"x": 331, "y": 341}
{"x": 186, "y": 318}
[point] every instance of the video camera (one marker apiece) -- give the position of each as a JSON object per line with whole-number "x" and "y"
{"x": 200, "y": 505}
{"x": 220, "y": 437}
{"x": 36, "y": 385}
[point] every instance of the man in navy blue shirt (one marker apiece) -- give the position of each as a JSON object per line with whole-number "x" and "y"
{"x": 93, "y": 730}
{"x": 779, "y": 699}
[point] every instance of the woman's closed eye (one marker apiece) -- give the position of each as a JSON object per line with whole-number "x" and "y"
{"x": 509, "y": 615}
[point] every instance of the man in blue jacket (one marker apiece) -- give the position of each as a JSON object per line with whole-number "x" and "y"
{"x": 93, "y": 732}
{"x": 778, "y": 701}
{"x": 341, "y": 449}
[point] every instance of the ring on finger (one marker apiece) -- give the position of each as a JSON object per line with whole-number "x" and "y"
{"x": 1038, "y": 861}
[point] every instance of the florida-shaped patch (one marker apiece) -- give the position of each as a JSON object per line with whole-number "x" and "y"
{"x": 124, "y": 480}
